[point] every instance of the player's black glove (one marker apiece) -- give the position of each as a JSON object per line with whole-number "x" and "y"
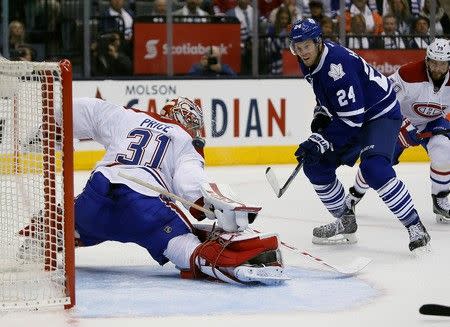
{"x": 312, "y": 149}
{"x": 320, "y": 119}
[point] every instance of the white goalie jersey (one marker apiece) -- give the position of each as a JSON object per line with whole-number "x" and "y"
{"x": 143, "y": 145}
{"x": 415, "y": 92}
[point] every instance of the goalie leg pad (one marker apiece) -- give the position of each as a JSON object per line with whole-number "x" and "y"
{"x": 220, "y": 256}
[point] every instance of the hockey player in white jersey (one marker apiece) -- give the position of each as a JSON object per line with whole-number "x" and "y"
{"x": 158, "y": 150}
{"x": 423, "y": 90}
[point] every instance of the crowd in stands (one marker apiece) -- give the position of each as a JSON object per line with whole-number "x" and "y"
{"x": 49, "y": 29}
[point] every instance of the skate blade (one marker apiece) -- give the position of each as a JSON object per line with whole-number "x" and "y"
{"x": 442, "y": 220}
{"x": 422, "y": 251}
{"x": 337, "y": 239}
{"x": 272, "y": 275}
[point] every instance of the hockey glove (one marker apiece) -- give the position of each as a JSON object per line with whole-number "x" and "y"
{"x": 312, "y": 149}
{"x": 408, "y": 134}
{"x": 321, "y": 119}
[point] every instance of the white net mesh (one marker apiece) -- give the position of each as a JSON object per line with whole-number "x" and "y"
{"x": 32, "y": 272}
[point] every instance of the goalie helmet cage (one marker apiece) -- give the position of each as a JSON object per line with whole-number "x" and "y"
{"x": 36, "y": 179}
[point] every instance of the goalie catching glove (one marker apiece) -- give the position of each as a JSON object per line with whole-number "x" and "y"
{"x": 232, "y": 215}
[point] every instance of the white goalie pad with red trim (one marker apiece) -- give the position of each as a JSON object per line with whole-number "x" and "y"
{"x": 231, "y": 214}
{"x": 239, "y": 257}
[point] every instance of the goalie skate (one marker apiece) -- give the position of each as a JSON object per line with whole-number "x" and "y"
{"x": 340, "y": 231}
{"x": 265, "y": 275}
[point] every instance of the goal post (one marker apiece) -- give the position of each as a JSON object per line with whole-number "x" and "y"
{"x": 36, "y": 179}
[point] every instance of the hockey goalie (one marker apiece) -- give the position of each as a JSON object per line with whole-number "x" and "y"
{"x": 166, "y": 151}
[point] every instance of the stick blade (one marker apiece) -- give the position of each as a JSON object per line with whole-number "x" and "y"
{"x": 273, "y": 181}
{"x": 353, "y": 267}
{"x": 435, "y": 310}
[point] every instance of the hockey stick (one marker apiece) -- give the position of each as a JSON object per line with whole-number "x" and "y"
{"x": 165, "y": 192}
{"x": 354, "y": 267}
{"x": 435, "y": 310}
{"x": 273, "y": 181}
{"x": 425, "y": 135}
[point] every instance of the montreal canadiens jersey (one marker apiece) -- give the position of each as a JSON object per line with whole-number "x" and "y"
{"x": 151, "y": 148}
{"x": 350, "y": 89}
{"x": 419, "y": 102}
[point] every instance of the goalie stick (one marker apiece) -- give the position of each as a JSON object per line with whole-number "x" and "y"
{"x": 435, "y": 310}
{"x": 350, "y": 269}
{"x": 273, "y": 181}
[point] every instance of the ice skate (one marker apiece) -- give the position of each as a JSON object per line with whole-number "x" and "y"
{"x": 418, "y": 238}
{"x": 340, "y": 231}
{"x": 441, "y": 207}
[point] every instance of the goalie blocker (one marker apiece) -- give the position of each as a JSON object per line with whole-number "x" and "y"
{"x": 220, "y": 203}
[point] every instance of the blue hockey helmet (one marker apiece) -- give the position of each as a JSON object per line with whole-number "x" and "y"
{"x": 305, "y": 29}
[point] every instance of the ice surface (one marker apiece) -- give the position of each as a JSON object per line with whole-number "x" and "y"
{"x": 119, "y": 284}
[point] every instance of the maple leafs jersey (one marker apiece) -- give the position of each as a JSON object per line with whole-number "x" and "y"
{"x": 419, "y": 102}
{"x": 146, "y": 146}
{"x": 351, "y": 90}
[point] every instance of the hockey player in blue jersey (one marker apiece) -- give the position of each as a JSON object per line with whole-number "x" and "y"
{"x": 357, "y": 115}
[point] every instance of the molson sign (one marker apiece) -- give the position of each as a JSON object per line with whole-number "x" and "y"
{"x": 190, "y": 42}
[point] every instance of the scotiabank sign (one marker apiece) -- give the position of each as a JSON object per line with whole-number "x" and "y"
{"x": 190, "y": 42}
{"x": 385, "y": 61}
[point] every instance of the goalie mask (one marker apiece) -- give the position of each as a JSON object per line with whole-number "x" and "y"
{"x": 185, "y": 112}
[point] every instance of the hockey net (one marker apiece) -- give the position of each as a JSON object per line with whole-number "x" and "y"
{"x": 36, "y": 182}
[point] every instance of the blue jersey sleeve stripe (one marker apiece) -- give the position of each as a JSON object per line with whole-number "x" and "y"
{"x": 350, "y": 123}
{"x": 350, "y": 113}
{"x": 392, "y": 105}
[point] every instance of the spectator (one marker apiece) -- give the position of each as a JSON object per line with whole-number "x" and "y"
{"x": 420, "y": 34}
{"x": 329, "y": 7}
{"x": 373, "y": 21}
{"x": 211, "y": 65}
{"x": 278, "y": 39}
{"x": 16, "y": 34}
{"x": 412, "y": 5}
{"x": 328, "y": 29}
{"x": 116, "y": 8}
{"x": 159, "y": 8}
{"x": 317, "y": 10}
{"x": 401, "y": 10}
{"x": 390, "y": 37}
{"x": 265, "y": 7}
{"x": 222, "y": 6}
{"x": 442, "y": 20}
{"x": 295, "y": 12}
{"x": 191, "y": 8}
{"x": 109, "y": 60}
{"x": 358, "y": 34}
{"x": 22, "y": 53}
{"x": 373, "y": 5}
{"x": 244, "y": 13}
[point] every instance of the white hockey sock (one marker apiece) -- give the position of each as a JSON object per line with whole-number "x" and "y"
{"x": 360, "y": 184}
{"x": 440, "y": 180}
{"x": 180, "y": 248}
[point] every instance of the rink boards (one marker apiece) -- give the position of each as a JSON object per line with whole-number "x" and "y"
{"x": 246, "y": 121}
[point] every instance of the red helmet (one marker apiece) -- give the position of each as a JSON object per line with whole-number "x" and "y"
{"x": 185, "y": 112}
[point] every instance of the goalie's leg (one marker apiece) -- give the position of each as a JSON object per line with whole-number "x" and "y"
{"x": 236, "y": 258}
